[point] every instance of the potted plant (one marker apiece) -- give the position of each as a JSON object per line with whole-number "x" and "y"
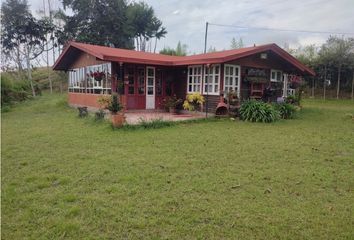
{"x": 232, "y": 98}
{"x": 113, "y": 105}
{"x": 171, "y": 103}
{"x": 98, "y": 76}
{"x": 193, "y": 102}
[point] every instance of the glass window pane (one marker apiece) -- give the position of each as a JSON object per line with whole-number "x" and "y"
{"x": 130, "y": 90}
{"x": 273, "y": 75}
{"x": 150, "y": 72}
{"x": 141, "y": 90}
{"x": 231, "y": 71}
{"x": 150, "y": 81}
{"x": 150, "y": 90}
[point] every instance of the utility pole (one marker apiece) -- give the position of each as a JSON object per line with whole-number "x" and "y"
{"x": 205, "y": 49}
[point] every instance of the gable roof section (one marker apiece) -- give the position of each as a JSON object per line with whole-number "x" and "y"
{"x": 131, "y": 56}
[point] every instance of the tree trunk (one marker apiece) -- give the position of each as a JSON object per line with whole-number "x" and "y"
{"x": 325, "y": 84}
{"x": 155, "y": 44}
{"x": 29, "y": 71}
{"x": 338, "y": 80}
{"x": 48, "y": 69}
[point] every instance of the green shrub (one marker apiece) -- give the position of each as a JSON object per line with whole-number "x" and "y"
{"x": 14, "y": 91}
{"x": 99, "y": 115}
{"x": 286, "y": 110}
{"x": 257, "y": 111}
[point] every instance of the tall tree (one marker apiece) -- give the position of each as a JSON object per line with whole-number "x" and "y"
{"x": 23, "y": 37}
{"x": 181, "y": 50}
{"x": 337, "y": 51}
{"x": 236, "y": 43}
{"x": 102, "y": 22}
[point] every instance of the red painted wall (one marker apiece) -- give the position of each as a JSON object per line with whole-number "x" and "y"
{"x": 87, "y": 100}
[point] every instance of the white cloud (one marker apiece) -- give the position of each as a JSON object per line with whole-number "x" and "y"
{"x": 185, "y": 20}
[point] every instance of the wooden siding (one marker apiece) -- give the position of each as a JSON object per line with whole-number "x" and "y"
{"x": 84, "y": 60}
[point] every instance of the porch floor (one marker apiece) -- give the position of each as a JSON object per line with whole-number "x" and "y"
{"x": 135, "y": 117}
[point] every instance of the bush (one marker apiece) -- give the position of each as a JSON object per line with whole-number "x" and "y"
{"x": 257, "y": 111}
{"x": 99, "y": 115}
{"x": 193, "y": 101}
{"x": 286, "y": 110}
{"x": 14, "y": 91}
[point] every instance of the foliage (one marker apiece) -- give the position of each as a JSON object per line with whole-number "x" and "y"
{"x": 291, "y": 99}
{"x": 114, "y": 105}
{"x": 58, "y": 171}
{"x": 112, "y": 23}
{"x": 257, "y": 111}
{"x": 237, "y": 43}
{"x": 171, "y": 101}
{"x": 83, "y": 112}
{"x": 334, "y": 60}
{"x": 99, "y": 115}
{"x": 193, "y": 101}
{"x": 110, "y": 102}
{"x": 14, "y": 91}
{"x": 286, "y": 110}
{"x": 97, "y": 75}
{"x": 23, "y": 36}
{"x": 181, "y": 50}
{"x": 154, "y": 124}
{"x": 232, "y": 97}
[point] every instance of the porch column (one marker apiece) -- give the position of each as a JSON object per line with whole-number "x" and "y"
{"x": 285, "y": 85}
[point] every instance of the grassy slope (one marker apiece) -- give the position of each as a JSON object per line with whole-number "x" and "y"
{"x": 64, "y": 177}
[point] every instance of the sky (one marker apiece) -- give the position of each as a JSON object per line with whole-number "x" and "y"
{"x": 185, "y": 21}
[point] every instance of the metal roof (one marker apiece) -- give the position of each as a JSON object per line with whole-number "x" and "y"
{"x": 132, "y": 56}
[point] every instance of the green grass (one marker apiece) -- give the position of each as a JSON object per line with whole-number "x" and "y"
{"x": 69, "y": 178}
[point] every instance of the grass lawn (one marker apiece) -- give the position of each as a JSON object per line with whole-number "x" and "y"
{"x": 70, "y": 178}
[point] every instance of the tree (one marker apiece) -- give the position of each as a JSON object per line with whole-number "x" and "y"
{"x": 23, "y": 37}
{"x": 337, "y": 51}
{"x": 159, "y": 31}
{"x": 181, "y": 50}
{"x": 211, "y": 49}
{"x": 236, "y": 43}
{"x": 144, "y": 25}
{"x": 102, "y": 22}
{"x": 168, "y": 51}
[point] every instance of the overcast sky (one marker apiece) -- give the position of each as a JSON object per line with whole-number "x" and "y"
{"x": 185, "y": 21}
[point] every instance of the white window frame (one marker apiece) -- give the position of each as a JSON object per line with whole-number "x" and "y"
{"x": 212, "y": 75}
{"x": 192, "y": 78}
{"x": 81, "y": 81}
{"x": 236, "y": 79}
{"x": 276, "y": 72}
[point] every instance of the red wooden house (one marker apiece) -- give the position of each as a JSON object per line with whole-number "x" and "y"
{"x": 144, "y": 79}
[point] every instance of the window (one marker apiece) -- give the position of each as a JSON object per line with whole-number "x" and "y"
{"x": 150, "y": 80}
{"x": 194, "y": 79}
{"x": 80, "y": 79}
{"x": 141, "y": 81}
{"x": 276, "y": 75}
{"x": 212, "y": 80}
{"x": 232, "y": 78}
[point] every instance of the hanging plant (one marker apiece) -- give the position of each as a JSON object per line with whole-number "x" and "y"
{"x": 98, "y": 76}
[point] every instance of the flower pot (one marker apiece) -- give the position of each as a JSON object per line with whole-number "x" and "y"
{"x": 118, "y": 119}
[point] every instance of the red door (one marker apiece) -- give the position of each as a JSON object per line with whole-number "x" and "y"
{"x": 163, "y": 88}
{"x": 135, "y": 87}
